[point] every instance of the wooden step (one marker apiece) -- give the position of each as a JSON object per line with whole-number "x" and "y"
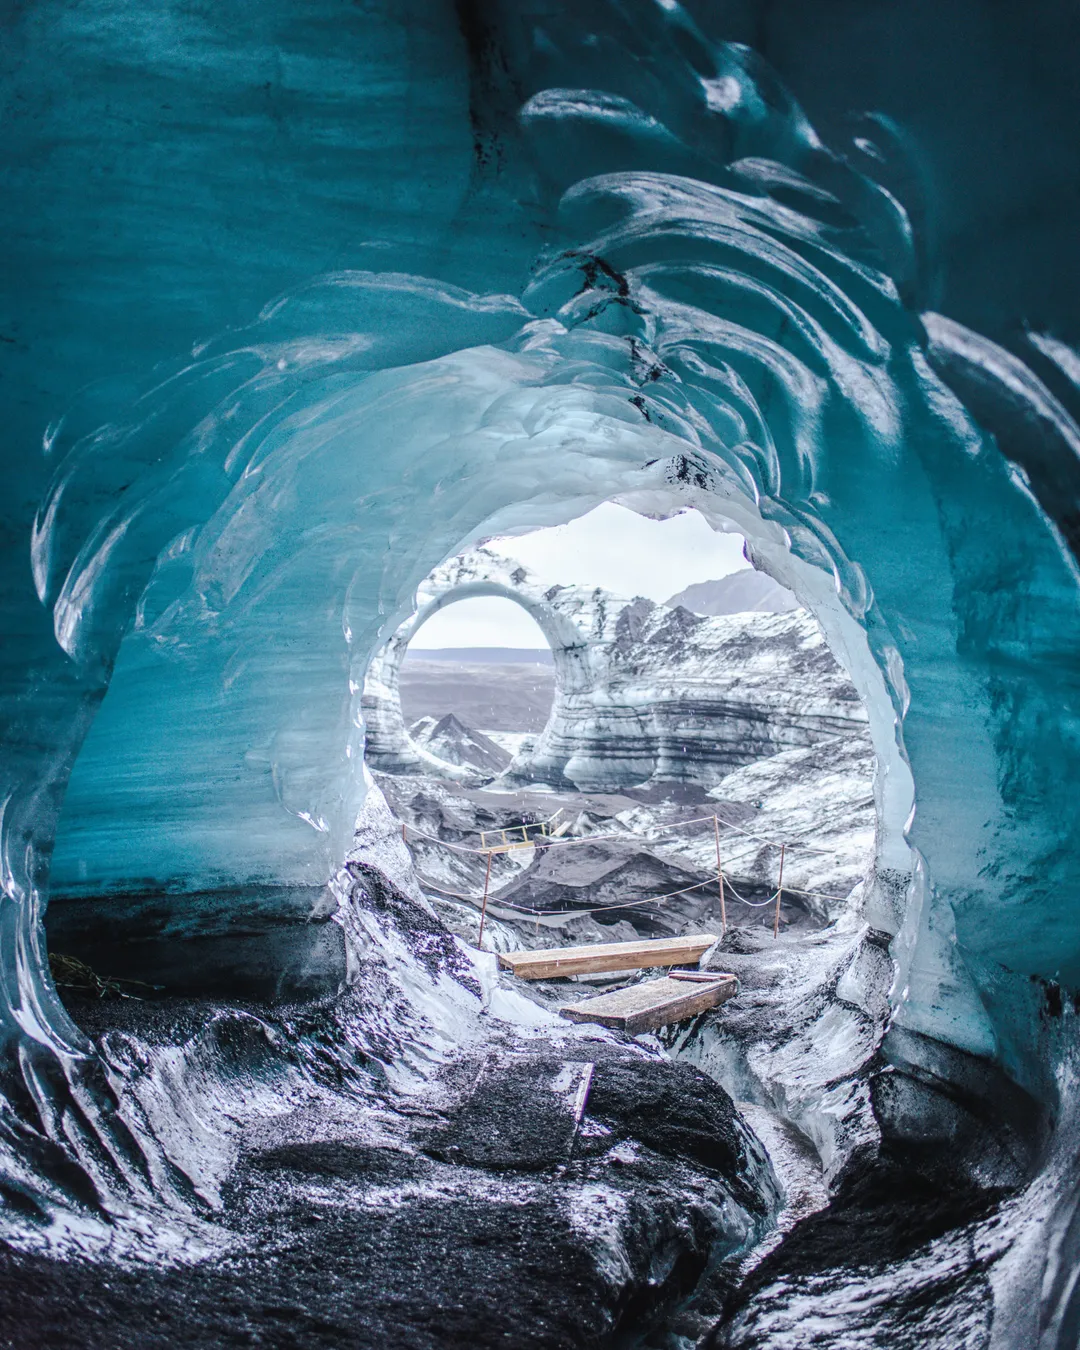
{"x": 646, "y": 1007}
{"x": 643, "y": 955}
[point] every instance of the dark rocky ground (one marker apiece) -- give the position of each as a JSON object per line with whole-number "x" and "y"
{"x": 490, "y": 1211}
{"x": 495, "y": 1219}
{"x": 539, "y": 1188}
{"x": 892, "y": 1263}
{"x": 498, "y": 1222}
{"x": 548, "y": 1190}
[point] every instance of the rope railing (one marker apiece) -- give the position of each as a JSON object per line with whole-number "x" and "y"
{"x": 592, "y": 909}
{"x": 548, "y": 841}
{"x": 618, "y": 904}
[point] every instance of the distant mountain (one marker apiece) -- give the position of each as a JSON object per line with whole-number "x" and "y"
{"x": 742, "y": 592}
{"x": 500, "y": 656}
{"x": 458, "y": 744}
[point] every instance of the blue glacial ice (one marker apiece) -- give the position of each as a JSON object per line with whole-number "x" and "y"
{"x": 616, "y": 263}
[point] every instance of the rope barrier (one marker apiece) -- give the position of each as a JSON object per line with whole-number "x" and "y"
{"x": 732, "y": 857}
{"x": 546, "y": 842}
{"x": 570, "y": 913}
{"x": 751, "y": 904}
{"x": 626, "y": 904}
{"x": 620, "y": 905}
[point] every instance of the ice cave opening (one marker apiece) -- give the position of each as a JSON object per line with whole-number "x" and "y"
{"x": 247, "y": 868}
{"x": 692, "y": 748}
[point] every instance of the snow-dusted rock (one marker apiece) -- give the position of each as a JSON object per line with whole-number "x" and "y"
{"x": 458, "y": 744}
{"x": 817, "y": 801}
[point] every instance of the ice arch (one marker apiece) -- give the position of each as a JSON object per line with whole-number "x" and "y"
{"x": 280, "y": 556}
{"x": 387, "y": 745}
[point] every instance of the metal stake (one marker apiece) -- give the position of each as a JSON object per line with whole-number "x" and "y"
{"x": 779, "y": 892}
{"x": 483, "y": 907}
{"x": 720, "y": 874}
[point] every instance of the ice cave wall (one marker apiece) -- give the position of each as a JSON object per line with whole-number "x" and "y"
{"x": 728, "y": 312}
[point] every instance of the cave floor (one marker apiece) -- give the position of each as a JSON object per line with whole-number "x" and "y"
{"x": 364, "y": 1224}
{"x": 478, "y": 1215}
{"x": 345, "y": 1245}
{"x": 481, "y": 1217}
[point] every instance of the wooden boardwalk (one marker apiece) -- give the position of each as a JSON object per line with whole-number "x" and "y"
{"x": 649, "y": 1006}
{"x": 554, "y": 962}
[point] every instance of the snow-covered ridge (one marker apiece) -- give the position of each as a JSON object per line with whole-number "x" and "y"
{"x": 738, "y": 593}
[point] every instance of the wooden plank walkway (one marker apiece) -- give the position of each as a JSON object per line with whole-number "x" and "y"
{"x": 553, "y": 962}
{"x": 649, "y": 1006}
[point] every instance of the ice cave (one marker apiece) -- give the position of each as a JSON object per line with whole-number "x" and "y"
{"x": 315, "y": 315}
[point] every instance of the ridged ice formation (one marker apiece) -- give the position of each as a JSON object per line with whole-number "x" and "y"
{"x": 723, "y": 313}
{"x": 643, "y": 693}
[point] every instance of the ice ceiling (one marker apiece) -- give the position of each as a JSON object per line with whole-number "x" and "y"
{"x": 621, "y": 264}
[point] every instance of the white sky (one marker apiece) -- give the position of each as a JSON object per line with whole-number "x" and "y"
{"x": 610, "y": 547}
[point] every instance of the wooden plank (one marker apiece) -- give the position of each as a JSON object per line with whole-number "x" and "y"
{"x": 654, "y": 1004}
{"x": 643, "y": 955}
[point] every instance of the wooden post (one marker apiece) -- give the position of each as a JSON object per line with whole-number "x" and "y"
{"x": 483, "y": 907}
{"x": 403, "y": 839}
{"x": 720, "y": 874}
{"x": 779, "y": 892}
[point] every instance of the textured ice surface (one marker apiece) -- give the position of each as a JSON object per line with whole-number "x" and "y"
{"x": 723, "y": 313}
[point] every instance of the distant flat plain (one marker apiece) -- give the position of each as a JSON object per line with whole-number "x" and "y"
{"x": 487, "y": 688}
